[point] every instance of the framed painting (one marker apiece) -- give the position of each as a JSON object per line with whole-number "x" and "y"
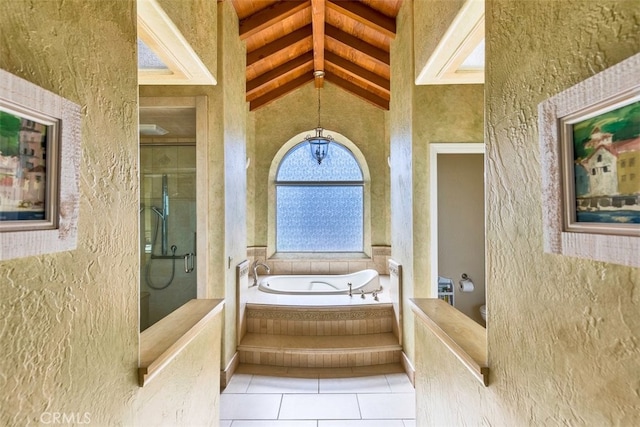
{"x": 28, "y": 169}
{"x": 39, "y": 169}
{"x": 590, "y": 150}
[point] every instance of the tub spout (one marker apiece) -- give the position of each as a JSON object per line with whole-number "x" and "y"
{"x": 257, "y": 264}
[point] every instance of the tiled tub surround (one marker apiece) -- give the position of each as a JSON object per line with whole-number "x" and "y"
{"x": 307, "y": 321}
{"x": 314, "y": 264}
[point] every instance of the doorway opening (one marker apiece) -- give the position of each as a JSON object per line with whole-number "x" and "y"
{"x": 457, "y": 222}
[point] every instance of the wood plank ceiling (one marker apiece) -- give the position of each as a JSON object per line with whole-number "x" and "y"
{"x": 292, "y": 42}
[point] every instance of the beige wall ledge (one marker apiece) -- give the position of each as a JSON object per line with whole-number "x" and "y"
{"x": 465, "y": 338}
{"x": 164, "y": 340}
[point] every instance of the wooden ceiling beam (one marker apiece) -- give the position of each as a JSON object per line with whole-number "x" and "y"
{"x": 357, "y": 44}
{"x": 280, "y": 91}
{"x": 317, "y": 22}
{"x": 358, "y": 72}
{"x": 358, "y": 91}
{"x": 268, "y": 16}
{"x": 280, "y": 44}
{"x": 364, "y": 14}
{"x": 303, "y": 61}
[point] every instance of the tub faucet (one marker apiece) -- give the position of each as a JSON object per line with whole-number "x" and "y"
{"x": 257, "y": 264}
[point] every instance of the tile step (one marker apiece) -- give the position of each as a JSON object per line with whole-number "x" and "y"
{"x": 320, "y": 321}
{"x": 320, "y": 359}
{"x": 320, "y": 344}
{"x": 296, "y": 372}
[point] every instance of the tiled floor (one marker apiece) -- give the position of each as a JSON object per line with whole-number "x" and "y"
{"x": 265, "y": 401}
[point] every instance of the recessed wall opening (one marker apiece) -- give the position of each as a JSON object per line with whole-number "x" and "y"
{"x": 168, "y": 212}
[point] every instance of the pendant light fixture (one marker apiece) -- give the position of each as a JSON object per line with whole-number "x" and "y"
{"x": 319, "y": 143}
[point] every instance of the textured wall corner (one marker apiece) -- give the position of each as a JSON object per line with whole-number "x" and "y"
{"x": 185, "y": 393}
{"x": 233, "y": 64}
{"x": 401, "y": 127}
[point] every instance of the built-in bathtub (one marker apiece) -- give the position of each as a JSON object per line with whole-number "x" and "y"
{"x": 366, "y": 281}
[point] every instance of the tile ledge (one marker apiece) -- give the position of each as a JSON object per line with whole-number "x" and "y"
{"x": 465, "y": 338}
{"x": 164, "y": 340}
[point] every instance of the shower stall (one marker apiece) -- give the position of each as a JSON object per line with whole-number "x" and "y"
{"x": 167, "y": 228}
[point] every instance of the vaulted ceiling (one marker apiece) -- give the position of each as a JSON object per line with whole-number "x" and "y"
{"x": 293, "y": 42}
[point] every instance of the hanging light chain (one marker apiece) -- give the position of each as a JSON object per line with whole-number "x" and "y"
{"x": 319, "y": 108}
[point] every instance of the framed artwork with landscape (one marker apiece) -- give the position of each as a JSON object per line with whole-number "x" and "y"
{"x": 590, "y": 150}
{"x": 39, "y": 169}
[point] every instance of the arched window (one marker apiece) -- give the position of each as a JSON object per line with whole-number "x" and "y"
{"x": 319, "y": 208}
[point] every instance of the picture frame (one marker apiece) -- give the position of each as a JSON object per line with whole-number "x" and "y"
{"x": 39, "y": 169}
{"x": 590, "y": 157}
{"x": 28, "y": 168}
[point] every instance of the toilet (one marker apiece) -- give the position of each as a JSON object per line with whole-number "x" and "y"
{"x": 483, "y": 312}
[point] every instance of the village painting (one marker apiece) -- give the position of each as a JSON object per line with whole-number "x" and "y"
{"x": 23, "y": 146}
{"x": 606, "y": 152}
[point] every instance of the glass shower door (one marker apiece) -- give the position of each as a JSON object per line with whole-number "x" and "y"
{"x": 167, "y": 229}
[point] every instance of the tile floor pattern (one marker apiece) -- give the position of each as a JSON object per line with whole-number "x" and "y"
{"x": 265, "y": 401}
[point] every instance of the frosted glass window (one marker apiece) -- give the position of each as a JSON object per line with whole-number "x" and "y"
{"x": 299, "y": 165}
{"x": 319, "y": 208}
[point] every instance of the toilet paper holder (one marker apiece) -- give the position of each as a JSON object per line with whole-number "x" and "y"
{"x": 466, "y": 284}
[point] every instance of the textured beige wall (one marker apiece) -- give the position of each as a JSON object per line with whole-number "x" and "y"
{"x": 187, "y": 392}
{"x": 196, "y": 20}
{"x": 431, "y": 18}
{"x": 401, "y": 148}
{"x": 562, "y": 332}
{"x": 359, "y": 121}
{"x": 251, "y": 180}
{"x": 70, "y": 320}
{"x": 234, "y": 119}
